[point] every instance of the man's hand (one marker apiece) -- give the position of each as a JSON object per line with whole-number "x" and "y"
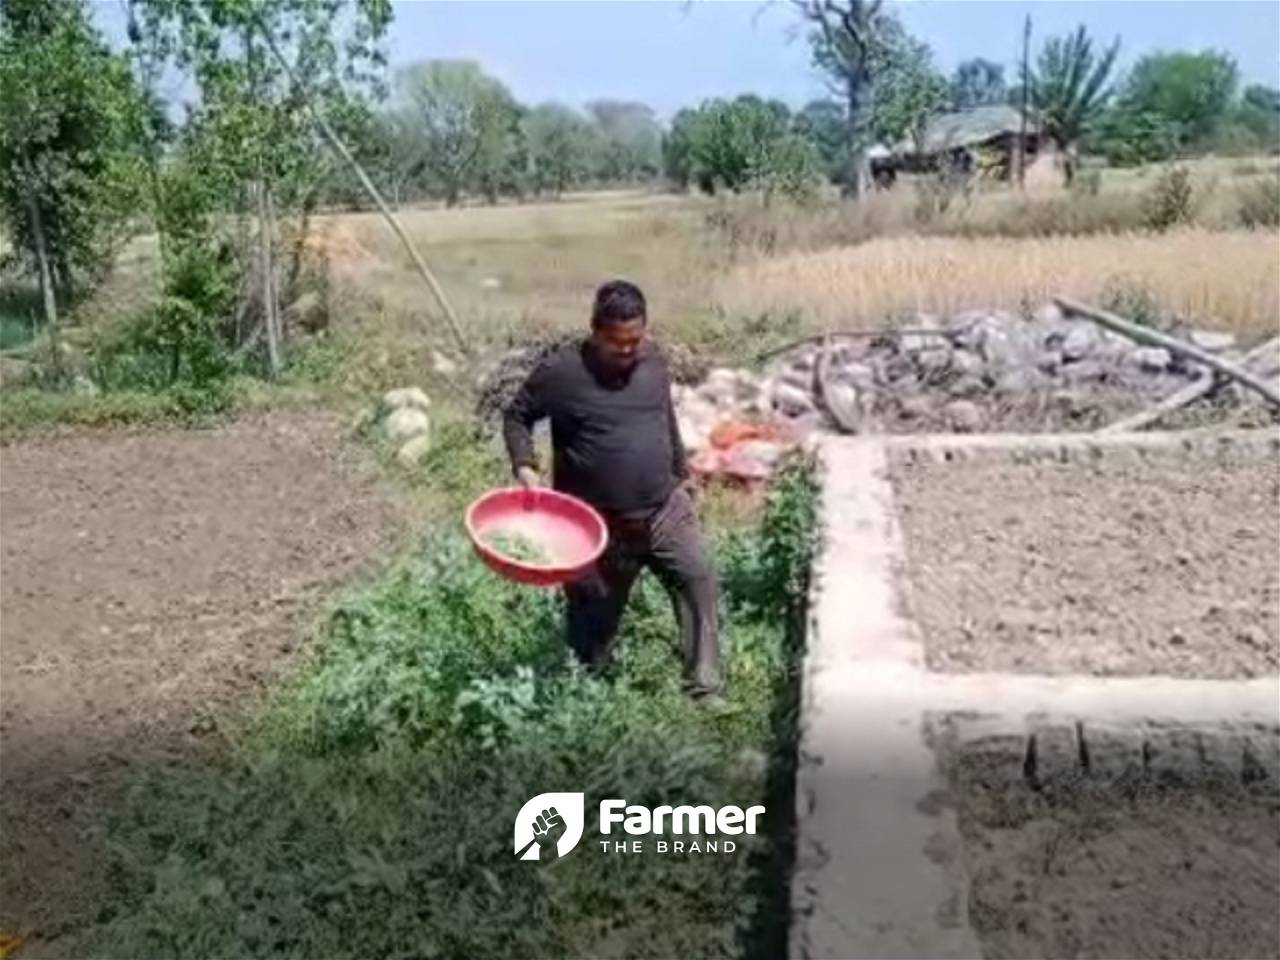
{"x": 528, "y": 478}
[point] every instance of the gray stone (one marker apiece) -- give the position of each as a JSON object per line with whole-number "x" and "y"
{"x": 935, "y": 359}
{"x": 797, "y": 376}
{"x": 1213, "y": 341}
{"x": 1019, "y": 380}
{"x": 412, "y": 451}
{"x": 442, "y": 364}
{"x": 915, "y": 407}
{"x": 963, "y": 416}
{"x": 1151, "y": 359}
{"x": 966, "y": 363}
{"x": 860, "y": 375}
{"x": 841, "y": 399}
{"x": 915, "y": 342}
{"x": 1085, "y": 371}
{"x": 1047, "y": 315}
{"x": 406, "y": 422}
{"x": 1078, "y": 342}
{"x": 406, "y": 397}
{"x": 1050, "y": 361}
{"x": 790, "y": 400}
{"x": 967, "y": 387}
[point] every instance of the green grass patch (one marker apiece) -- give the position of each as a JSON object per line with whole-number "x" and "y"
{"x": 368, "y": 812}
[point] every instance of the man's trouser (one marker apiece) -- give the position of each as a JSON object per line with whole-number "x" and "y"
{"x": 670, "y": 544}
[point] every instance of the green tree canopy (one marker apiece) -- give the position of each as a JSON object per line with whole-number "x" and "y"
{"x": 1069, "y": 88}
{"x": 977, "y": 83}
{"x": 910, "y": 90}
{"x": 562, "y": 144}
{"x": 822, "y": 123}
{"x": 467, "y": 119}
{"x": 69, "y": 168}
{"x": 631, "y": 140}
{"x": 1192, "y": 92}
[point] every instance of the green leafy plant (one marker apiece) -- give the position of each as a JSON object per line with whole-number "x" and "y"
{"x": 369, "y": 812}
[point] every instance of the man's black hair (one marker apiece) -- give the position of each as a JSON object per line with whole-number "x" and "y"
{"x": 617, "y": 302}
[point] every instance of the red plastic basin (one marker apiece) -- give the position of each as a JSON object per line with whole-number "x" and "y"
{"x": 568, "y": 530}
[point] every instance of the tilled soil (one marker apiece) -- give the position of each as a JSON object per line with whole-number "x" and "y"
{"x": 1180, "y": 874}
{"x": 1152, "y": 563}
{"x": 148, "y": 581}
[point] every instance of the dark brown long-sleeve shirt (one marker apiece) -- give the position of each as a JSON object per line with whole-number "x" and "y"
{"x": 615, "y": 442}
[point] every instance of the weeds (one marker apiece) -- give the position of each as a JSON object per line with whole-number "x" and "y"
{"x": 369, "y": 812}
{"x": 1259, "y": 203}
{"x": 1171, "y": 200}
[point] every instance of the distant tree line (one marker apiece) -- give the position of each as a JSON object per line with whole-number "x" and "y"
{"x": 90, "y": 153}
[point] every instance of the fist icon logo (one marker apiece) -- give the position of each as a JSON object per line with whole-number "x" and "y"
{"x": 551, "y": 822}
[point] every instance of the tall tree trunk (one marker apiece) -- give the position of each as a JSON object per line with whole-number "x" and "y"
{"x": 46, "y": 282}
{"x": 266, "y": 282}
{"x": 861, "y": 95}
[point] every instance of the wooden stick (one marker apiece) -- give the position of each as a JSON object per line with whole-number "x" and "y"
{"x": 332, "y": 137}
{"x": 1181, "y": 398}
{"x": 1173, "y": 345}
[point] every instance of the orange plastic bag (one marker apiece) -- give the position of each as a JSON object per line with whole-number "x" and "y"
{"x": 728, "y": 433}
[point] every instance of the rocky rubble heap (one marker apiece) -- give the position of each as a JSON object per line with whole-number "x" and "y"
{"x": 976, "y": 371}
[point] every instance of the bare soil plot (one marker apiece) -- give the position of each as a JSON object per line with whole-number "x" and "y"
{"x": 1137, "y": 868}
{"x": 1130, "y": 564}
{"x": 147, "y": 582}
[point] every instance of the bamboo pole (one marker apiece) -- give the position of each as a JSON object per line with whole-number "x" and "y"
{"x": 334, "y": 141}
{"x": 1155, "y": 338}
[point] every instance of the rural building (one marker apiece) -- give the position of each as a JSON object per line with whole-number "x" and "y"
{"x": 983, "y": 140}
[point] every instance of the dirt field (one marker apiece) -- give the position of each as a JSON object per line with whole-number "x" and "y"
{"x": 148, "y": 582}
{"x": 1190, "y": 875}
{"x": 1131, "y": 565}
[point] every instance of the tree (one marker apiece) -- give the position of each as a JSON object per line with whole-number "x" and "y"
{"x": 846, "y": 42}
{"x": 741, "y": 144}
{"x": 910, "y": 90}
{"x": 1127, "y": 138}
{"x": 1259, "y": 113}
{"x": 1192, "y": 92}
{"x": 977, "y": 83}
{"x": 560, "y": 143}
{"x": 258, "y": 68}
{"x": 1069, "y": 90}
{"x": 631, "y": 140}
{"x": 69, "y": 177}
{"x": 465, "y": 116}
{"x": 822, "y": 123}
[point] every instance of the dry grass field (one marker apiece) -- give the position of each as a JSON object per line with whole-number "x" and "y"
{"x": 1215, "y": 279}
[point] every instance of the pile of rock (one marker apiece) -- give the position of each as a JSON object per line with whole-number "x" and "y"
{"x": 405, "y": 421}
{"x": 980, "y": 370}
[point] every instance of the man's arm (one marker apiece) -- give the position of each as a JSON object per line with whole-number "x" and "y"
{"x": 679, "y": 462}
{"x": 527, "y": 407}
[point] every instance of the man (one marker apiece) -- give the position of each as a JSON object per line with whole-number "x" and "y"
{"x": 615, "y": 444}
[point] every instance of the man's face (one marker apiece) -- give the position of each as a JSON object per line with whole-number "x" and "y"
{"x": 617, "y": 343}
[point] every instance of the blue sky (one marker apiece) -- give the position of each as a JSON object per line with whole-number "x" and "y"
{"x": 670, "y": 53}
